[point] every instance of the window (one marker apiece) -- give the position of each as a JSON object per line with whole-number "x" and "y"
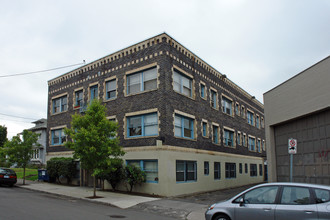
{"x": 244, "y": 140}
{"x": 203, "y": 95}
{"x": 58, "y": 137}
{"x": 215, "y": 130}
{"x": 246, "y": 168}
{"x": 227, "y": 106}
{"x": 239, "y": 138}
{"x": 182, "y": 84}
{"x": 262, "y": 122}
{"x": 204, "y": 129}
{"x": 252, "y": 144}
{"x": 293, "y": 195}
{"x": 237, "y": 109}
{"x": 94, "y": 92}
{"x": 113, "y": 134}
{"x": 150, "y": 168}
{"x": 35, "y": 154}
{"x": 214, "y": 99}
{"x": 253, "y": 170}
{"x": 186, "y": 171}
{"x": 243, "y": 112}
{"x": 142, "y": 81}
{"x": 240, "y": 168}
{"x": 260, "y": 169}
{"x": 79, "y": 96}
{"x": 228, "y": 137}
{"x": 206, "y": 168}
{"x": 261, "y": 195}
{"x": 322, "y": 195}
{"x": 250, "y": 117}
{"x": 259, "y": 145}
{"x": 263, "y": 145}
{"x": 217, "y": 173}
{"x": 142, "y": 125}
{"x": 111, "y": 89}
{"x": 257, "y": 121}
{"x": 230, "y": 170}
{"x": 60, "y": 104}
{"x": 184, "y": 126}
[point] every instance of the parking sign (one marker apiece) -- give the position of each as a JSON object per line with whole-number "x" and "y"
{"x": 292, "y": 146}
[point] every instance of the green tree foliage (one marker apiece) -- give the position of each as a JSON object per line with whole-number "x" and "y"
{"x": 134, "y": 176}
{"x": 92, "y": 137}
{"x": 3, "y": 139}
{"x": 61, "y": 166}
{"x": 20, "y": 151}
{"x": 113, "y": 172}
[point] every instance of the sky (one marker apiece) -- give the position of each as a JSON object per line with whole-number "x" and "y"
{"x": 258, "y": 44}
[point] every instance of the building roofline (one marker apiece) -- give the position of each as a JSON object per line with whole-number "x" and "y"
{"x": 298, "y": 74}
{"x": 196, "y": 58}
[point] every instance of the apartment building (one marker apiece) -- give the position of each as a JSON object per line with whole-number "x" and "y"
{"x": 188, "y": 126}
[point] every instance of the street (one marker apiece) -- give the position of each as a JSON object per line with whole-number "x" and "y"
{"x": 18, "y": 203}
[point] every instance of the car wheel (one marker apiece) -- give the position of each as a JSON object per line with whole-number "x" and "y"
{"x": 221, "y": 217}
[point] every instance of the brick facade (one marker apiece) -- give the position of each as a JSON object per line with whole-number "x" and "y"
{"x": 165, "y": 54}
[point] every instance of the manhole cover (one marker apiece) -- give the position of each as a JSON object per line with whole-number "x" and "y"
{"x": 117, "y": 216}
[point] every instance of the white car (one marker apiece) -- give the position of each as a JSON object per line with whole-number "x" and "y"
{"x": 275, "y": 201}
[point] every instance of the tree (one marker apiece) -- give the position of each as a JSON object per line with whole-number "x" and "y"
{"x": 134, "y": 176}
{"x": 91, "y": 136}
{"x": 3, "y": 139}
{"x": 20, "y": 151}
{"x": 113, "y": 172}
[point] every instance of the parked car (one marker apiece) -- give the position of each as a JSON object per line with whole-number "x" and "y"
{"x": 275, "y": 201}
{"x": 7, "y": 176}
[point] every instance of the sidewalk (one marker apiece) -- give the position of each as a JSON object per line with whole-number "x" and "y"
{"x": 168, "y": 207}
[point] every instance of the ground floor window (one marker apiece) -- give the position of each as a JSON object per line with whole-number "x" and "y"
{"x": 206, "y": 168}
{"x": 253, "y": 170}
{"x": 186, "y": 171}
{"x": 230, "y": 170}
{"x": 217, "y": 171}
{"x": 260, "y": 169}
{"x": 150, "y": 167}
{"x": 35, "y": 154}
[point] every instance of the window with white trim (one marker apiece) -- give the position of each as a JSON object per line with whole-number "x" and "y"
{"x": 206, "y": 168}
{"x": 227, "y": 106}
{"x": 142, "y": 125}
{"x": 79, "y": 98}
{"x": 58, "y": 136}
{"x": 142, "y": 81}
{"x": 60, "y": 104}
{"x": 252, "y": 144}
{"x": 94, "y": 92}
{"x": 228, "y": 137}
{"x": 204, "y": 128}
{"x": 250, "y": 117}
{"x": 203, "y": 91}
{"x": 111, "y": 89}
{"x": 214, "y": 99}
{"x": 237, "y": 109}
{"x": 184, "y": 126}
{"x": 257, "y": 121}
{"x": 182, "y": 83}
{"x": 259, "y": 146}
{"x": 215, "y": 134}
{"x": 186, "y": 171}
{"x": 239, "y": 138}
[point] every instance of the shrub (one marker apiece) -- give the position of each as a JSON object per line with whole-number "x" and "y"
{"x": 133, "y": 176}
{"x": 61, "y": 166}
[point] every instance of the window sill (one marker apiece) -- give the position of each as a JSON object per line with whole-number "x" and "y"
{"x": 109, "y": 100}
{"x": 192, "y": 97}
{"x": 141, "y": 137}
{"x": 58, "y": 113}
{"x": 187, "y": 139}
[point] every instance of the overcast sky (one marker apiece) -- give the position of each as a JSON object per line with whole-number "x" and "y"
{"x": 258, "y": 44}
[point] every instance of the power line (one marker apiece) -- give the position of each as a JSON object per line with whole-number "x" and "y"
{"x": 23, "y": 122}
{"x": 14, "y": 116}
{"x": 40, "y": 71}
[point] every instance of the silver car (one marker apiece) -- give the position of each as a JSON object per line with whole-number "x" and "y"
{"x": 275, "y": 201}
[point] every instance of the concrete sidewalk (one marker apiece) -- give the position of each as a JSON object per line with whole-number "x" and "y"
{"x": 168, "y": 207}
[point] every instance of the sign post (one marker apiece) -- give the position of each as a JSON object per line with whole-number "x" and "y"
{"x": 292, "y": 150}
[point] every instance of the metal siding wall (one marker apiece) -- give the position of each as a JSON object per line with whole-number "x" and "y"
{"x": 312, "y": 161}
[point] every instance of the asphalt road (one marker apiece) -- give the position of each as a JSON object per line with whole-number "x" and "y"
{"x": 21, "y": 204}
